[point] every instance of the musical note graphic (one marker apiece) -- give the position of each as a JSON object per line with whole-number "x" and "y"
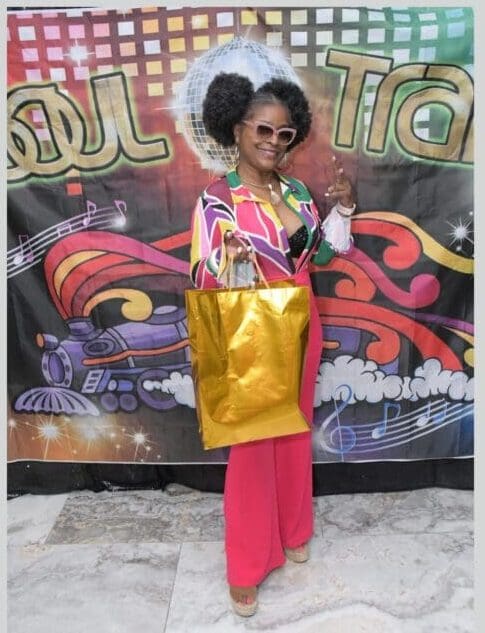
{"x": 414, "y": 424}
{"x": 381, "y": 429}
{"x": 425, "y": 417}
{"x": 121, "y": 208}
{"x": 91, "y": 210}
{"x": 64, "y": 229}
{"x": 440, "y": 415}
{"x": 390, "y": 431}
{"x": 341, "y": 439}
{"x": 30, "y": 250}
{"x": 25, "y": 253}
{"x": 437, "y": 415}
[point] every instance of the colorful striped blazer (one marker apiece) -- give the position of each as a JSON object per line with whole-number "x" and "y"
{"x": 227, "y": 205}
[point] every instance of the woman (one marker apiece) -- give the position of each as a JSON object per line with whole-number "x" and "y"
{"x": 260, "y": 213}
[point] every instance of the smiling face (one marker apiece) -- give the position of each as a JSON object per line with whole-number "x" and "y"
{"x": 262, "y": 153}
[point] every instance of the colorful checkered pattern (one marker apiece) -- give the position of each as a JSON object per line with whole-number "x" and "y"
{"x": 416, "y": 35}
{"x": 156, "y": 46}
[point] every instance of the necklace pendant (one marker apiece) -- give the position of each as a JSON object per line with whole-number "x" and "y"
{"x": 273, "y": 196}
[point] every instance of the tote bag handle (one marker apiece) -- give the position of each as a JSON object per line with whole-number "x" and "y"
{"x": 230, "y": 265}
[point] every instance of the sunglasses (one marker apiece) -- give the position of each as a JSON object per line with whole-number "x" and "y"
{"x": 266, "y": 132}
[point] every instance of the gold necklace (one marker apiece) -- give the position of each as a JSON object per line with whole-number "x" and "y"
{"x": 274, "y": 197}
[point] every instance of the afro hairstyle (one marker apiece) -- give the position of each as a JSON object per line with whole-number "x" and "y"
{"x": 230, "y": 97}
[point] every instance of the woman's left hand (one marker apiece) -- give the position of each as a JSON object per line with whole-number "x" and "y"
{"x": 341, "y": 189}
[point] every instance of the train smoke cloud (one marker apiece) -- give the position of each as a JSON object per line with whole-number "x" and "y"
{"x": 369, "y": 383}
{"x": 180, "y": 386}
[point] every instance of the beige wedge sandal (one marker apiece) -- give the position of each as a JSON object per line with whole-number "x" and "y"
{"x": 298, "y": 554}
{"x": 243, "y": 608}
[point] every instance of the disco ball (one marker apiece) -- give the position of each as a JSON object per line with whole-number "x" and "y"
{"x": 246, "y": 57}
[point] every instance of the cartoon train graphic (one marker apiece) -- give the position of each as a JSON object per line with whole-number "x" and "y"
{"x": 121, "y": 366}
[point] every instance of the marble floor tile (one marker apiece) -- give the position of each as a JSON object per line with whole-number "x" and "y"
{"x": 430, "y": 510}
{"x": 90, "y": 588}
{"x": 139, "y": 516}
{"x": 352, "y": 584}
{"x": 30, "y": 518}
{"x": 181, "y": 514}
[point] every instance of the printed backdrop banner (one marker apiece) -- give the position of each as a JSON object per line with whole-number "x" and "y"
{"x": 106, "y": 156}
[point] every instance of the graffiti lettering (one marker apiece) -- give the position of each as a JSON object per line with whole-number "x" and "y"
{"x": 452, "y": 89}
{"x": 116, "y": 135}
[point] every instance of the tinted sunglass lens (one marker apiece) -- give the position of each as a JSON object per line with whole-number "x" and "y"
{"x": 285, "y": 136}
{"x": 264, "y": 131}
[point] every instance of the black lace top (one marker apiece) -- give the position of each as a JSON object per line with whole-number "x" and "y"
{"x": 297, "y": 241}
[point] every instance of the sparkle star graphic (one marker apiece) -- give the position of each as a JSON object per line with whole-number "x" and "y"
{"x": 141, "y": 441}
{"x": 460, "y": 232}
{"x": 78, "y": 53}
{"x": 12, "y": 425}
{"x": 48, "y": 431}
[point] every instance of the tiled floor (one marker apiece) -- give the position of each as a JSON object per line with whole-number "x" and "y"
{"x": 153, "y": 561}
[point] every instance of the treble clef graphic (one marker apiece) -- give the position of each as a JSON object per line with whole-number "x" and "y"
{"x": 340, "y": 439}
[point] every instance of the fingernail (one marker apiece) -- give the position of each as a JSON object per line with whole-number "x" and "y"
{"x": 239, "y": 250}
{"x": 341, "y": 170}
{"x": 326, "y": 194}
{"x": 249, "y": 249}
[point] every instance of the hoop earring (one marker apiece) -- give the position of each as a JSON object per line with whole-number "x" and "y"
{"x": 284, "y": 161}
{"x": 236, "y": 156}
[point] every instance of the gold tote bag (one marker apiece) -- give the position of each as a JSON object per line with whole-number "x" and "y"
{"x": 247, "y": 352}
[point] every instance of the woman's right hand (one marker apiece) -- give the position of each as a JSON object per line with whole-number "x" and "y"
{"x": 237, "y": 248}
{"x": 341, "y": 189}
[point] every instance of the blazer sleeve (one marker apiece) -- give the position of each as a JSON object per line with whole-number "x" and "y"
{"x": 210, "y": 220}
{"x": 335, "y": 235}
{"x": 336, "y": 228}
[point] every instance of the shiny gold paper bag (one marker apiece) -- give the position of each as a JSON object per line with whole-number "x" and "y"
{"x": 247, "y": 351}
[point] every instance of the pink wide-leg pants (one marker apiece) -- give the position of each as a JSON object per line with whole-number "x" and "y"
{"x": 268, "y": 486}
